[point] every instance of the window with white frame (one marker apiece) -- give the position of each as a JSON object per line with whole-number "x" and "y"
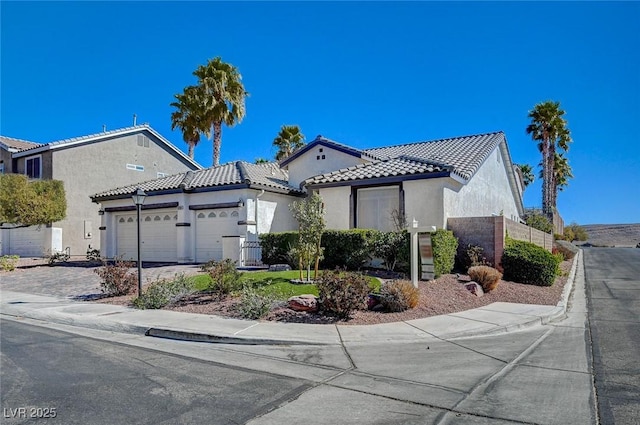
{"x": 376, "y": 207}
{"x": 33, "y": 167}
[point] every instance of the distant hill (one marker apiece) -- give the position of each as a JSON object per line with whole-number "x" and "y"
{"x": 612, "y": 234}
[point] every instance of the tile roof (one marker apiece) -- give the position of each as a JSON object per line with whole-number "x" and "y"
{"x": 463, "y": 154}
{"x": 18, "y": 144}
{"x": 392, "y": 167}
{"x": 329, "y": 143}
{"x": 268, "y": 176}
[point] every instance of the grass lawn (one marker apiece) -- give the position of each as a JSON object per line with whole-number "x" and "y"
{"x": 277, "y": 283}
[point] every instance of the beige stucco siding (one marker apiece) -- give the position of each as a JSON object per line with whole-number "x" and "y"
{"x": 5, "y": 158}
{"x": 308, "y": 165}
{"x": 423, "y": 201}
{"x": 99, "y": 166}
{"x": 487, "y": 193}
{"x": 337, "y": 201}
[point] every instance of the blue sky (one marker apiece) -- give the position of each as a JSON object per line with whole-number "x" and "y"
{"x": 364, "y": 74}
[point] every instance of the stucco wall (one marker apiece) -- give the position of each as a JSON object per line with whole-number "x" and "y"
{"x": 337, "y": 207}
{"x": 487, "y": 193}
{"x": 99, "y": 166}
{"x": 46, "y": 161}
{"x": 5, "y": 157}
{"x": 423, "y": 201}
{"x": 308, "y": 165}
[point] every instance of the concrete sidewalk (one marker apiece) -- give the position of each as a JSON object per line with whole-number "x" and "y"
{"x": 491, "y": 319}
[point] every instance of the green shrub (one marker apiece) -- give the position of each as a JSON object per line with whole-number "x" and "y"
{"x": 575, "y": 232}
{"x": 392, "y": 247}
{"x": 399, "y": 295}
{"x": 525, "y": 262}
{"x": 486, "y": 276}
{"x": 276, "y": 248}
{"x": 8, "y": 263}
{"x": 445, "y": 246}
{"x": 225, "y": 278}
{"x": 254, "y": 305}
{"x": 164, "y": 292}
{"x": 346, "y": 249}
{"x": 539, "y": 221}
{"x": 117, "y": 279}
{"x": 340, "y": 293}
{"x": 471, "y": 256}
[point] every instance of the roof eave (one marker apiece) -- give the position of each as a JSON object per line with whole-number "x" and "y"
{"x": 374, "y": 181}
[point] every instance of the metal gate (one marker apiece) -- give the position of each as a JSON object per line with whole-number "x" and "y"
{"x": 251, "y": 254}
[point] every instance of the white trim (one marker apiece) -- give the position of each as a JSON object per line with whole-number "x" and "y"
{"x": 93, "y": 138}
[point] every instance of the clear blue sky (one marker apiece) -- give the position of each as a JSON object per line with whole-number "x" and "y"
{"x": 363, "y": 74}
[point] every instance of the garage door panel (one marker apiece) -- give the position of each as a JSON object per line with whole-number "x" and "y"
{"x": 211, "y": 226}
{"x": 158, "y": 236}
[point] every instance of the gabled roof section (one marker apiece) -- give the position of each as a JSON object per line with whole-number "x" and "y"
{"x": 323, "y": 141}
{"x": 464, "y": 155}
{"x": 16, "y": 145}
{"x": 403, "y": 166}
{"x": 97, "y": 137}
{"x": 232, "y": 175}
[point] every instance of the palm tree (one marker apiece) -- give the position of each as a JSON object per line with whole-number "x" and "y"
{"x": 223, "y": 99}
{"x": 187, "y": 116}
{"x": 527, "y": 174}
{"x": 549, "y": 128}
{"x": 288, "y": 140}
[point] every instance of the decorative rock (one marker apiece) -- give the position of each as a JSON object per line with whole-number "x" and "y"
{"x": 474, "y": 288}
{"x": 279, "y": 267}
{"x": 306, "y": 302}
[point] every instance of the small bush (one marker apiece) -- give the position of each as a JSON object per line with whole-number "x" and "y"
{"x": 225, "y": 278}
{"x": 164, "y": 292}
{"x": 525, "y": 262}
{"x": 342, "y": 293}
{"x": 117, "y": 279}
{"x": 93, "y": 254}
{"x": 399, "y": 295}
{"x": 254, "y": 305}
{"x": 575, "y": 232}
{"x": 486, "y": 276}
{"x": 444, "y": 246}
{"x": 566, "y": 249}
{"x": 471, "y": 256}
{"x": 57, "y": 257}
{"x": 8, "y": 263}
{"x": 539, "y": 221}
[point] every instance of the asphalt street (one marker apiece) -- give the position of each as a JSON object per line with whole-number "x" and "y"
{"x": 613, "y": 290}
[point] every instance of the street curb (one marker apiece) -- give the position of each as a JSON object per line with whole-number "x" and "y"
{"x": 566, "y": 292}
{"x": 217, "y": 339}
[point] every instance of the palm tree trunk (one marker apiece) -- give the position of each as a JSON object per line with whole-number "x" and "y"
{"x": 191, "y": 150}
{"x": 217, "y": 141}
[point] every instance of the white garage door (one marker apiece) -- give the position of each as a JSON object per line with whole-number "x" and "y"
{"x": 158, "y": 236}
{"x": 211, "y": 226}
{"x": 27, "y": 241}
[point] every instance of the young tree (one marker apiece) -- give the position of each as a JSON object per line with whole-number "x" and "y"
{"x": 28, "y": 203}
{"x": 223, "y": 99}
{"x": 288, "y": 140}
{"x": 549, "y": 128}
{"x": 310, "y": 216}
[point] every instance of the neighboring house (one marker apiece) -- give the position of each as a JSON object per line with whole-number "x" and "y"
{"x": 86, "y": 165}
{"x": 209, "y": 214}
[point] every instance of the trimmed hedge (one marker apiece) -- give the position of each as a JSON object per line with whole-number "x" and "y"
{"x": 525, "y": 262}
{"x": 276, "y": 248}
{"x": 347, "y": 249}
{"x": 445, "y": 246}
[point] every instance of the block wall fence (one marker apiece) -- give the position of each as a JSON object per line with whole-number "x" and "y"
{"x": 490, "y": 233}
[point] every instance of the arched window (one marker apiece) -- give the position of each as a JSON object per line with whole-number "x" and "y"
{"x": 212, "y": 214}
{"x": 130, "y": 220}
{"x": 223, "y": 214}
{"x": 147, "y": 218}
{"x": 157, "y": 218}
{"x": 121, "y": 220}
{"x": 201, "y": 215}
{"x": 166, "y": 217}
{"x": 234, "y": 214}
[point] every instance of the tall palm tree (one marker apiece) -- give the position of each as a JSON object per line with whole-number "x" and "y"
{"x": 288, "y": 140}
{"x": 223, "y": 99}
{"x": 549, "y": 128}
{"x": 527, "y": 174}
{"x": 188, "y": 116}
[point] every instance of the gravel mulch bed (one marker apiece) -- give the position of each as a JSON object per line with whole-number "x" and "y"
{"x": 441, "y": 296}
